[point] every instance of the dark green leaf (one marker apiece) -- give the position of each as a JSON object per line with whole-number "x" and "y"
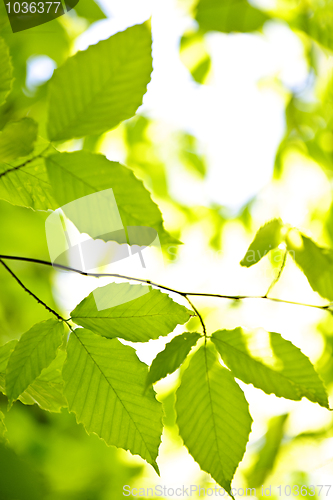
{"x": 128, "y": 312}
{"x": 2, "y": 427}
{"x": 85, "y": 102}
{"x": 213, "y": 416}
{"x": 168, "y": 360}
{"x": 271, "y": 363}
{"x": 18, "y": 481}
{"x": 104, "y": 385}
{"x": 6, "y": 74}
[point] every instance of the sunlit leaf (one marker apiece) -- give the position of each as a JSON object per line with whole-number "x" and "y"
{"x": 78, "y": 174}
{"x": 268, "y": 237}
{"x": 47, "y": 390}
{"x": 104, "y": 387}
{"x": 194, "y": 55}
{"x": 90, "y": 10}
{"x": 213, "y": 416}
{"x": 6, "y": 74}
{"x": 316, "y": 262}
{"x": 229, "y": 15}
{"x": 168, "y": 360}
{"x": 266, "y": 455}
{"x": 123, "y": 313}
{"x": 17, "y": 139}
{"x": 34, "y": 351}
{"x": 271, "y": 363}
{"x": 24, "y": 181}
{"x": 85, "y": 102}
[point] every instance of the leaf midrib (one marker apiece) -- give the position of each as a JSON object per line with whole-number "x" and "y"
{"x": 116, "y": 394}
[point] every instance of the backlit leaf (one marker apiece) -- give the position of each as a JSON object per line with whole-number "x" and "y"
{"x": 267, "y": 238}
{"x": 85, "y": 102}
{"x": 168, "y": 360}
{"x": 123, "y": 313}
{"x": 78, "y": 174}
{"x": 316, "y": 262}
{"x": 104, "y": 385}
{"x": 34, "y": 351}
{"x": 17, "y": 139}
{"x": 213, "y": 416}
{"x": 271, "y": 363}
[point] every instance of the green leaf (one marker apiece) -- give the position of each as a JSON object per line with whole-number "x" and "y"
{"x": 316, "y": 262}
{"x": 90, "y": 102}
{"x": 90, "y": 10}
{"x": 34, "y": 351}
{"x": 168, "y": 360}
{"x": 2, "y": 427}
{"x": 104, "y": 385}
{"x": 25, "y": 182}
{"x": 47, "y": 390}
{"x": 315, "y": 19}
{"x": 194, "y": 55}
{"x": 270, "y": 363}
{"x": 17, "y": 139}
{"x": 127, "y": 314}
{"x": 6, "y": 74}
{"x": 267, "y": 453}
{"x": 78, "y": 174}
{"x": 213, "y": 416}
{"x": 228, "y": 16}
{"x": 268, "y": 237}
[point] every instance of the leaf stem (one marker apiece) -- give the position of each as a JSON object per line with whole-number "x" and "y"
{"x": 198, "y": 314}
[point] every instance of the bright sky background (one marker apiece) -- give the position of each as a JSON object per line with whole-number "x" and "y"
{"x": 239, "y": 120}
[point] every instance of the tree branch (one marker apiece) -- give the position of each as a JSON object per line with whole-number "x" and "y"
{"x": 162, "y": 287}
{"x": 31, "y": 293}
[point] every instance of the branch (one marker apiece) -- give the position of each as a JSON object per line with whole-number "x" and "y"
{"x": 162, "y": 287}
{"x": 32, "y": 294}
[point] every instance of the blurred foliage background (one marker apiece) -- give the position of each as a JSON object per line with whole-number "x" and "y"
{"x": 219, "y": 165}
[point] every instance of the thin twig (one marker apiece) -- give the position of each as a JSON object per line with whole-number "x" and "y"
{"x": 32, "y": 294}
{"x": 198, "y": 314}
{"x": 162, "y": 287}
